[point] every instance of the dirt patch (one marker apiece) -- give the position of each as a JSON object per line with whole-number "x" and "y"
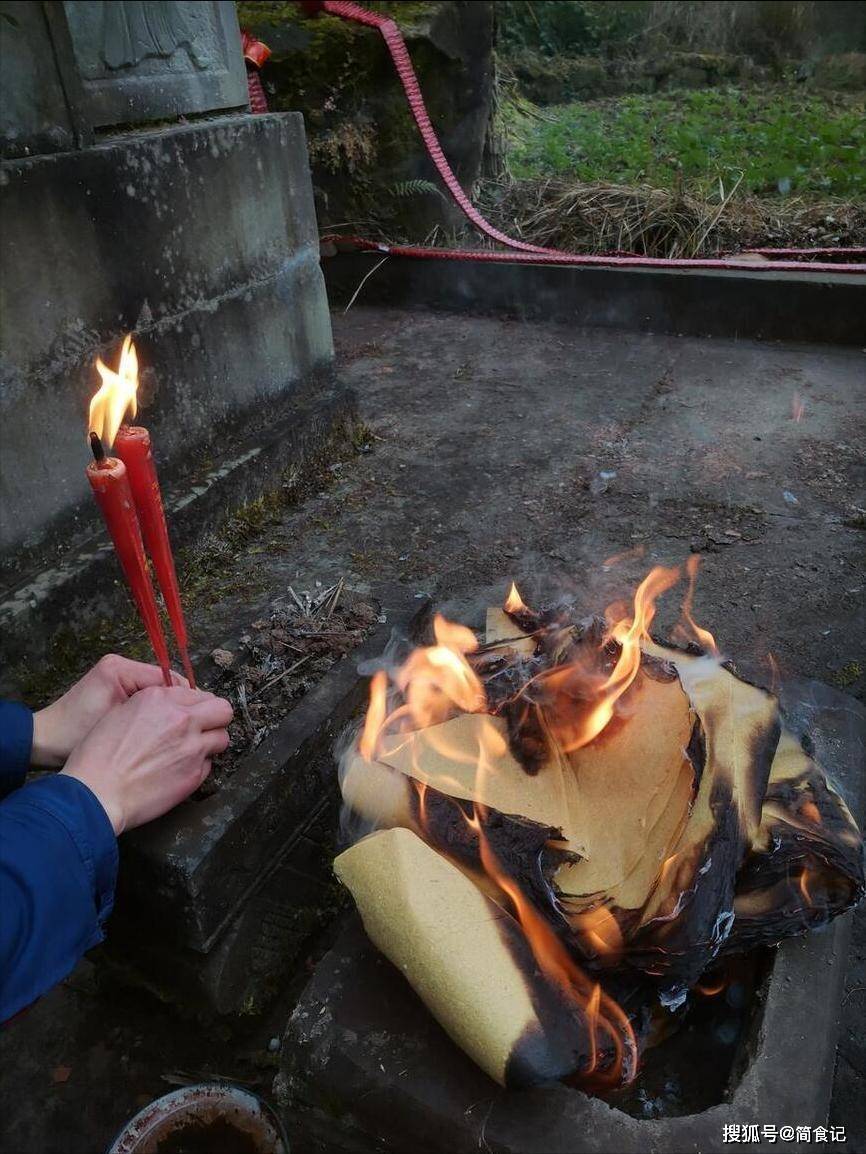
{"x": 279, "y": 659}
{"x": 837, "y": 470}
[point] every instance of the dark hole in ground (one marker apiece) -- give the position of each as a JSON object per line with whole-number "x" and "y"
{"x": 701, "y": 1062}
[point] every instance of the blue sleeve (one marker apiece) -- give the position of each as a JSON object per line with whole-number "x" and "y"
{"x": 16, "y": 741}
{"x": 58, "y": 867}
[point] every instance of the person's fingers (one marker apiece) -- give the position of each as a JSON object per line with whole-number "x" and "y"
{"x": 212, "y": 712}
{"x": 177, "y": 679}
{"x": 187, "y": 698}
{"x": 205, "y": 772}
{"x": 135, "y": 675}
{"x": 215, "y": 741}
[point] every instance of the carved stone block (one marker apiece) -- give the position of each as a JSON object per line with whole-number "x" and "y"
{"x": 146, "y": 60}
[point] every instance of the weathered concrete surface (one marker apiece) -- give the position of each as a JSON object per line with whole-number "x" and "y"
{"x": 66, "y": 69}
{"x": 363, "y": 1058}
{"x": 485, "y": 437}
{"x": 769, "y": 306}
{"x": 200, "y": 239}
{"x": 35, "y": 115}
{"x": 366, "y": 1068}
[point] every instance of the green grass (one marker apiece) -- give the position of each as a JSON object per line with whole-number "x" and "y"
{"x": 783, "y": 142}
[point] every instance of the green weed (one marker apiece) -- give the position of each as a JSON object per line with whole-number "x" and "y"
{"x": 781, "y": 141}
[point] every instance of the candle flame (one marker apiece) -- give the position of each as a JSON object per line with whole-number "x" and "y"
{"x": 116, "y": 396}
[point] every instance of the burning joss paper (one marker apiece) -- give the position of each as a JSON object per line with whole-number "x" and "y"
{"x": 572, "y": 822}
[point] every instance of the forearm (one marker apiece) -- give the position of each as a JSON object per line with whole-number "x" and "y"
{"x": 58, "y": 868}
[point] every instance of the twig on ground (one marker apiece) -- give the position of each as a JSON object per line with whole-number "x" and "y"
{"x": 297, "y": 599}
{"x": 336, "y": 598}
{"x": 363, "y": 282}
{"x": 245, "y": 712}
{"x": 279, "y": 677}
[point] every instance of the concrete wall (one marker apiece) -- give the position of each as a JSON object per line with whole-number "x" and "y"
{"x": 202, "y": 239}
{"x": 35, "y": 112}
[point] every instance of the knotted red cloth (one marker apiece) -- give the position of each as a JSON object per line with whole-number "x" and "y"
{"x": 255, "y": 55}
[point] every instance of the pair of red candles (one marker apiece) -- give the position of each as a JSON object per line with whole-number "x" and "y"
{"x": 127, "y": 491}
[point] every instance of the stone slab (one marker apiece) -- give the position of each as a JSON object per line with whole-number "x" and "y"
{"x": 366, "y": 1067}
{"x": 819, "y": 307}
{"x": 260, "y": 951}
{"x": 202, "y": 241}
{"x": 35, "y": 113}
{"x": 140, "y": 62}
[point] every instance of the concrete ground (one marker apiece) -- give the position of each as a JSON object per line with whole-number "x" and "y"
{"x": 497, "y": 450}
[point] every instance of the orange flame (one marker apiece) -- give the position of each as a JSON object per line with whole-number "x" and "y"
{"x": 514, "y": 602}
{"x": 376, "y": 712}
{"x": 804, "y": 886}
{"x": 711, "y": 987}
{"x": 703, "y": 636}
{"x": 580, "y": 683}
{"x": 605, "y": 1020}
{"x": 627, "y": 555}
{"x": 601, "y": 933}
{"x": 575, "y": 702}
{"x": 435, "y": 681}
{"x": 116, "y": 396}
{"x": 810, "y": 812}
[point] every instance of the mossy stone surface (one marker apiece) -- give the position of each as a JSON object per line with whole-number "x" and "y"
{"x": 560, "y": 79}
{"x": 365, "y": 149}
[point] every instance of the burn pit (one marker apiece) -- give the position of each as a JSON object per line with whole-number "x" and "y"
{"x": 581, "y": 834}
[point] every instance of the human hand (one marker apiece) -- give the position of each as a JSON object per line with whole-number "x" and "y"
{"x": 148, "y": 754}
{"x": 59, "y": 727}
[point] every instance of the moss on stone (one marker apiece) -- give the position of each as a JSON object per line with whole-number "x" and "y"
{"x": 361, "y": 136}
{"x": 559, "y": 79}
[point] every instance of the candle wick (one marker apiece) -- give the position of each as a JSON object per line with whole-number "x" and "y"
{"x": 96, "y": 448}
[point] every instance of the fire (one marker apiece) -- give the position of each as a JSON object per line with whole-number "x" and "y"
{"x": 711, "y": 987}
{"x": 803, "y": 882}
{"x": 531, "y": 811}
{"x": 437, "y": 679}
{"x": 601, "y": 933}
{"x": 514, "y": 602}
{"x": 703, "y": 636}
{"x": 116, "y": 396}
{"x": 435, "y": 682}
{"x": 609, "y": 1030}
{"x": 798, "y": 407}
{"x": 376, "y": 713}
{"x": 575, "y": 702}
{"x": 627, "y": 555}
{"x": 580, "y": 702}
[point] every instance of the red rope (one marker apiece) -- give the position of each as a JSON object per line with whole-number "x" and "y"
{"x": 403, "y": 63}
{"x": 553, "y": 257}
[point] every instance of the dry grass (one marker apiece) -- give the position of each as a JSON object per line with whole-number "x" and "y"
{"x": 601, "y": 217}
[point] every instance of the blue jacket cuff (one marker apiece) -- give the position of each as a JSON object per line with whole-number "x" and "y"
{"x": 80, "y": 812}
{"x": 16, "y": 743}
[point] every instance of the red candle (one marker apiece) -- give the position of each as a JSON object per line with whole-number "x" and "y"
{"x": 132, "y": 445}
{"x": 110, "y": 483}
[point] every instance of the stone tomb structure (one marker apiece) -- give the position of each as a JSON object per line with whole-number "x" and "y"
{"x": 139, "y": 194}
